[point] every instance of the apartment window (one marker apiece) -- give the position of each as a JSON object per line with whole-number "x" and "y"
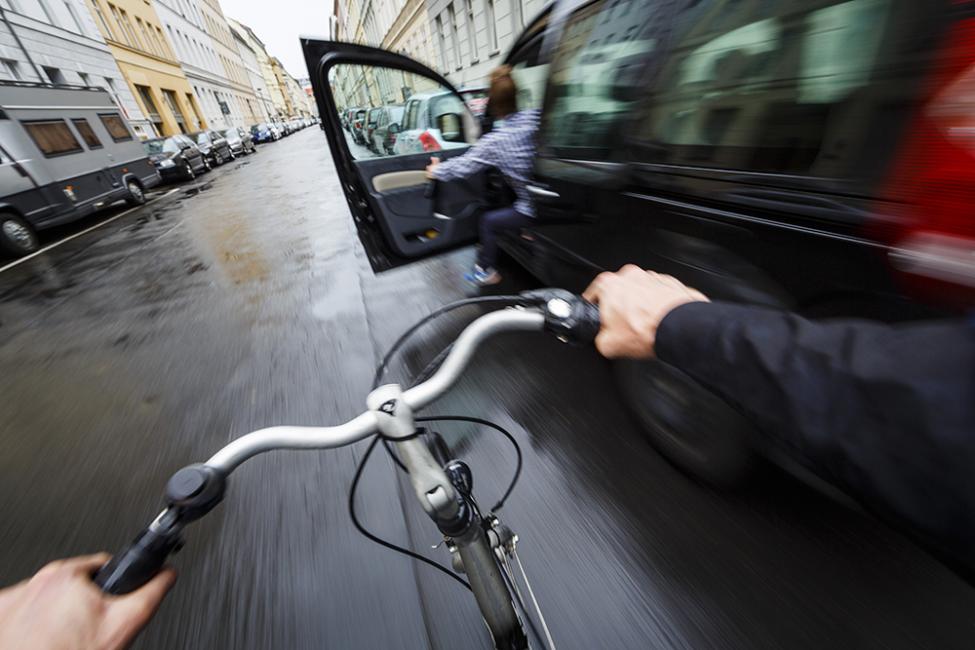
{"x": 53, "y": 74}
{"x": 74, "y": 16}
{"x": 471, "y": 37}
{"x": 163, "y": 45}
{"x": 492, "y": 26}
{"x": 152, "y": 112}
{"x": 123, "y": 35}
{"x": 454, "y": 40}
{"x": 443, "y": 45}
{"x": 85, "y": 79}
{"x": 115, "y": 126}
{"x": 82, "y": 126}
{"x": 130, "y": 31}
{"x": 101, "y": 18}
{"x": 170, "y": 97}
{"x": 196, "y": 113}
{"x": 53, "y": 137}
{"x": 47, "y": 12}
{"x": 517, "y": 15}
{"x": 150, "y": 43}
{"x": 10, "y": 69}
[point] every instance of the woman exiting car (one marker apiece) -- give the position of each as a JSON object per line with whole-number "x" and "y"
{"x": 510, "y": 148}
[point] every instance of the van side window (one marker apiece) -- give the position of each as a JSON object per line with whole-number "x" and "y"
{"x": 115, "y": 126}
{"x": 87, "y": 133}
{"x": 596, "y": 74}
{"x": 52, "y": 137}
{"x": 775, "y": 87}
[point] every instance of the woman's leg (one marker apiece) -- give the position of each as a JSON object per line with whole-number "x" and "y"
{"x": 492, "y": 223}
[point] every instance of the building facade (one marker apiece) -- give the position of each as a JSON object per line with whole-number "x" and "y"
{"x": 265, "y": 108}
{"x": 279, "y": 108}
{"x": 471, "y": 36}
{"x": 186, "y": 30}
{"x": 60, "y": 43}
{"x": 235, "y": 105}
{"x": 134, "y": 34}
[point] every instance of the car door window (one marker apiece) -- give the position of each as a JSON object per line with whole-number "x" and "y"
{"x": 448, "y": 123}
{"x": 789, "y": 88}
{"x": 597, "y": 72}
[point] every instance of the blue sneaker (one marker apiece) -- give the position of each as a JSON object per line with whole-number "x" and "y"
{"x": 483, "y": 277}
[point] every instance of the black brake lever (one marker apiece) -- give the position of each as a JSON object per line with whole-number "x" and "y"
{"x": 572, "y": 318}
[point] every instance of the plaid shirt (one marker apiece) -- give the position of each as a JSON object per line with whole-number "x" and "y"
{"x": 510, "y": 148}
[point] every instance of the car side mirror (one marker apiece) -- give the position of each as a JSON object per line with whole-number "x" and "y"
{"x": 451, "y": 127}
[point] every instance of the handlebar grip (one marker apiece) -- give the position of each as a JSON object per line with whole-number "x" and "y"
{"x": 587, "y": 322}
{"x": 138, "y": 563}
{"x": 568, "y": 316}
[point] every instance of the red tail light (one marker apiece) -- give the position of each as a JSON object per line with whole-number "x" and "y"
{"x": 933, "y": 233}
{"x": 429, "y": 142}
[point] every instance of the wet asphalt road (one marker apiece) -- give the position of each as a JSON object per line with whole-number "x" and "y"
{"x": 246, "y": 301}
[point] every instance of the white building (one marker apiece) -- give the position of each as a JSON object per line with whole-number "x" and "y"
{"x": 472, "y": 36}
{"x": 265, "y": 106}
{"x": 237, "y": 103}
{"x": 201, "y": 59}
{"x": 58, "y": 42}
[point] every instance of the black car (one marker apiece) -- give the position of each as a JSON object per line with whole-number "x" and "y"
{"x": 814, "y": 156}
{"x": 240, "y": 140}
{"x": 214, "y": 146}
{"x": 388, "y": 124}
{"x": 176, "y": 157}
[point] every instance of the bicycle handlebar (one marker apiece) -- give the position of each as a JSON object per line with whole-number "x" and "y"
{"x": 195, "y": 490}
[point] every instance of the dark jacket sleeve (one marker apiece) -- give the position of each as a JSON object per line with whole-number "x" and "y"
{"x": 886, "y": 412}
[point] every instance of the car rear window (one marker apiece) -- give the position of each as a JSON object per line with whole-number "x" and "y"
{"x": 791, "y": 88}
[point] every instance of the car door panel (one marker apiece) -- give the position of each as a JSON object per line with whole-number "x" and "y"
{"x": 396, "y": 221}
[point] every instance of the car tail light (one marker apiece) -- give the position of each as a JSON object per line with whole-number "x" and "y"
{"x": 932, "y": 233}
{"x": 429, "y": 142}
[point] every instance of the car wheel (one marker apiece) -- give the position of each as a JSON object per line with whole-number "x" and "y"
{"x": 695, "y": 429}
{"x": 188, "y": 172}
{"x": 17, "y": 237}
{"x": 207, "y": 165}
{"x": 231, "y": 155}
{"x": 136, "y": 195}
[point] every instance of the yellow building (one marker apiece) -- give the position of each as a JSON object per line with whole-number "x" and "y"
{"x": 134, "y": 35}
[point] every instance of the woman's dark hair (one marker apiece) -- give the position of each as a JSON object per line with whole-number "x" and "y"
{"x": 502, "y": 92}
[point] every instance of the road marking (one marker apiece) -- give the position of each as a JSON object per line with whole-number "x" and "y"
{"x": 79, "y": 234}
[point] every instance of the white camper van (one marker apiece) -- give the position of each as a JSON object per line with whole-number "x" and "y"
{"x": 65, "y": 151}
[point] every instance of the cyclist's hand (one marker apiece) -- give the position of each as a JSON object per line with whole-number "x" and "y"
{"x": 60, "y": 607}
{"x": 632, "y": 303}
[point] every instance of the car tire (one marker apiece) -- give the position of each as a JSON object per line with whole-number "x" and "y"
{"x": 188, "y": 172}
{"x": 207, "y": 165}
{"x": 231, "y": 155}
{"x": 692, "y": 427}
{"x": 17, "y": 237}
{"x": 137, "y": 195}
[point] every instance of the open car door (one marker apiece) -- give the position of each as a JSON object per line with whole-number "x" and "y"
{"x": 399, "y": 215}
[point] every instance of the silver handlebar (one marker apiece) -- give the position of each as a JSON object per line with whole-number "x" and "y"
{"x": 421, "y": 395}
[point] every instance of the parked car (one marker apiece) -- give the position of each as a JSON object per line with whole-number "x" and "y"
{"x": 358, "y": 124}
{"x": 710, "y": 145}
{"x": 476, "y": 98}
{"x": 372, "y": 120}
{"x": 214, "y": 146}
{"x": 64, "y": 153}
{"x": 240, "y": 141}
{"x": 431, "y": 123}
{"x": 263, "y": 133}
{"x": 386, "y": 130}
{"x": 175, "y": 158}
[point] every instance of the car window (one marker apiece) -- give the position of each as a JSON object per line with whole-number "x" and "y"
{"x": 202, "y": 138}
{"x": 170, "y": 146}
{"x": 376, "y": 89}
{"x": 597, "y": 73}
{"x": 775, "y": 88}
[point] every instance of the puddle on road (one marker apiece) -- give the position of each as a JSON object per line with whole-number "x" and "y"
{"x": 196, "y": 188}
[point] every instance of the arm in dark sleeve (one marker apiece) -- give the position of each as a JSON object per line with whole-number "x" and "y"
{"x": 886, "y": 412}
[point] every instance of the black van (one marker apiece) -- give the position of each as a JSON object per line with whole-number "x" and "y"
{"x": 811, "y": 155}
